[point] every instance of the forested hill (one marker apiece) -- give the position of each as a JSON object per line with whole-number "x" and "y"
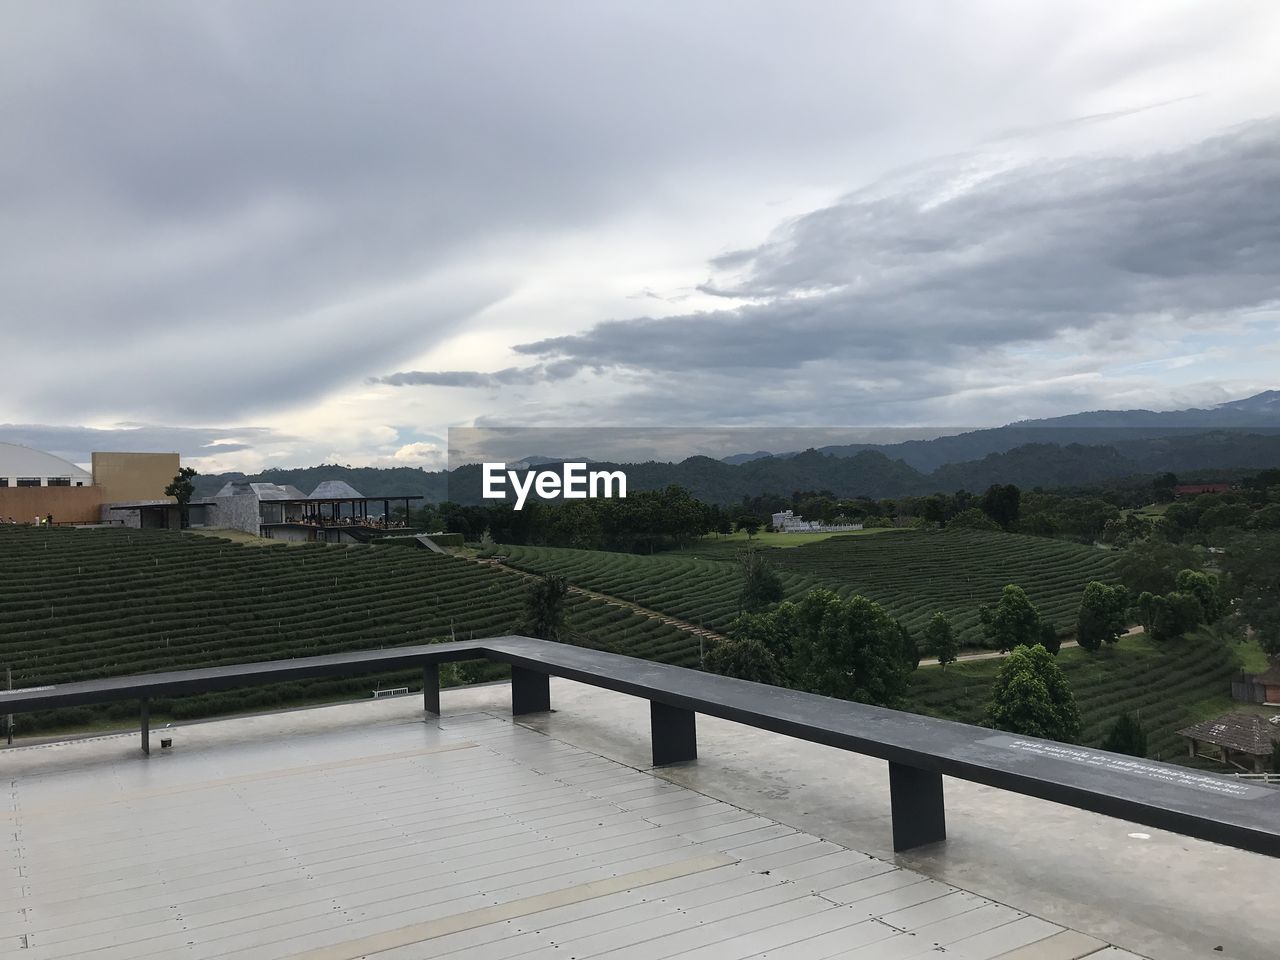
{"x": 868, "y": 473}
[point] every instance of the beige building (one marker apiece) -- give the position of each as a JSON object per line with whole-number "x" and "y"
{"x": 126, "y": 477}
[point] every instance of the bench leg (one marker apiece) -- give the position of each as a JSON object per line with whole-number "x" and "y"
{"x": 919, "y": 815}
{"x": 146, "y": 726}
{"x": 431, "y": 688}
{"x": 530, "y": 691}
{"x": 674, "y": 732}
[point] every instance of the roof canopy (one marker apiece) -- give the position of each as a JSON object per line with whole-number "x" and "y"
{"x": 19, "y": 461}
{"x": 338, "y": 490}
{"x": 1248, "y": 733}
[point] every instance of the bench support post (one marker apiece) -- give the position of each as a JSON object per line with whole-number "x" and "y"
{"x": 919, "y": 814}
{"x": 146, "y": 725}
{"x": 431, "y": 688}
{"x": 530, "y": 691}
{"x": 674, "y": 732}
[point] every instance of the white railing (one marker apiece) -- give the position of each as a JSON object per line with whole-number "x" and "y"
{"x": 1260, "y": 777}
{"x": 390, "y": 692}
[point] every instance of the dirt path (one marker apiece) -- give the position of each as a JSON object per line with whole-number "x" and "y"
{"x": 679, "y": 624}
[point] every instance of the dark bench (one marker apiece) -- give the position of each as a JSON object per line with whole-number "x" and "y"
{"x": 919, "y": 750}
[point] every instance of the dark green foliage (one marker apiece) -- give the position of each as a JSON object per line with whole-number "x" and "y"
{"x": 1204, "y": 587}
{"x": 1153, "y": 567}
{"x": 1013, "y": 621}
{"x": 1169, "y": 616}
{"x": 761, "y": 584}
{"x": 1252, "y": 567}
{"x": 1001, "y": 503}
{"x": 545, "y": 607}
{"x": 745, "y": 658}
{"x": 940, "y": 639}
{"x": 751, "y": 525}
{"x": 181, "y": 487}
{"x": 1033, "y": 698}
{"x": 1126, "y": 736}
{"x": 849, "y": 649}
{"x": 1103, "y": 616}
{"x": 972, "y": 519}
{"x": 1049, "y": 637}
{"x": 908, "y": 649}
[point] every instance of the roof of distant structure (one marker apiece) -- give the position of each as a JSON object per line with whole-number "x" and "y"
{"x": 336, "y": 490}
{"x": 1249, "y": 733}
{"x": 293, "y": 492}
{"x": 263, "y": 491}
{"x": 19, "y": 461}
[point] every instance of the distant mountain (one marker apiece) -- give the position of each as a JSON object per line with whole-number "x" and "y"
{"x": 1084, "y": 449}
{"x": 1260, "y": 412}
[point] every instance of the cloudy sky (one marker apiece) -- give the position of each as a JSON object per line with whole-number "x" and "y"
{"x": 290, "y": 232}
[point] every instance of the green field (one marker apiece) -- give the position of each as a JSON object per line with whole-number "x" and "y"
{"x": 912, "y": 573}
{"x": 729, "y": 545}
{"x": 1169, "y": 686}
{"x": 81, "y": 604}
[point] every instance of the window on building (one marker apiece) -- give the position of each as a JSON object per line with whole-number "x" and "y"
{"x": 28, "y": 481}
{"x": 79, "y": 483}
{"x": 58, "y": 482}
{"x": 4, "y": 481}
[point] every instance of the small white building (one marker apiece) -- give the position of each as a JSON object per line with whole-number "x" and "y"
{"x": 788, "y": 522}
{"x": 24, "y": 467}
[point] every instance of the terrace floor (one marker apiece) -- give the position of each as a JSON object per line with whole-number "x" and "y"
{"x": 363, "y": 831}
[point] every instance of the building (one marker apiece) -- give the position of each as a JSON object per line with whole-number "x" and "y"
{"x": 38, "y": 484}
{"x": 1244, "y": 740}
{"x": 1259, "y": 687}
{"x": 788, "y": 522}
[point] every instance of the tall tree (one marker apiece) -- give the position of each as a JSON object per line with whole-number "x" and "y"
{"x": 1001, "y": 503}
{"x": 545, "y": 607}
{"x": 1126, "y": 736}
{"x": 746, "y": 658}
{"x": 940, "y": 639}
{"x": 181, "y": 489}
{"x": 1013, "y": 621}
{"x": 1252, "y": 566}
{"x": 761, "y": 584}
{"x": 1031, "y": 696}
{"x": 1102, "y": 616}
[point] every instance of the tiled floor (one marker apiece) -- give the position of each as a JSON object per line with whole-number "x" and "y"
{"x": 471, "y": 837}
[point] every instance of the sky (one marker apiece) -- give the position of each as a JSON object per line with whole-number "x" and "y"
{"x": 288, "y": 233}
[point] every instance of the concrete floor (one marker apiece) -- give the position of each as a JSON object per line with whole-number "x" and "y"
{"x": 1153, "y": 893}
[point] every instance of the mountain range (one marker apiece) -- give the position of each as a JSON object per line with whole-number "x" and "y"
{"x": 1078, "y": 450}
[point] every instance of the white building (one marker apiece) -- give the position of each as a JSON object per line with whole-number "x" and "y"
{"x": 788, "y": 522}
{"x": 24, "y": 467}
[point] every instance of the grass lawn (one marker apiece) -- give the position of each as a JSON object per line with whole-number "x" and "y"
{"x": 732, "y": 543}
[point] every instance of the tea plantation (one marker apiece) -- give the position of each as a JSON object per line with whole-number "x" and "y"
{"x": 1168, "y": 686}
{"x": 912, "y": 573}
{"x": 80, "y": 604}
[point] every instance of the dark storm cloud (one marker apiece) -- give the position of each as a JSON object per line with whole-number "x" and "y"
{"x": 511, "y": 376}
{"x": 77, "y": 443}
{"x": 229, "y": 208}
{"x": 899, "y": 280}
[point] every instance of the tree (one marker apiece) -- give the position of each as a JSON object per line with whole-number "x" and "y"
{"x": 940, "y": 639}
{"x": 1014, "y": 620}
{"x": 181, "y": 489}
{"x": 1204, "y": 587}
{"x": 908, "y": 649}
{"x": 973, "y": 519}
{"x": 1154, "y": 567}
{"x": 747, "y": 659}
{"x": 1049, "y": 638}
{"x": 848, "y": 648}
{"x": 1126, "y": 736}
{"x": 1032, "y": 697}
{"x": 750, "y": 524}
{"x": 545, "y": 607}
{"x": 1169, "y": 616}
{"x": 1001, "y": 503}
{"x": 1252, "y": 568}
{"x": 761, "y": 584}
{"x": 1102, "y": 617}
